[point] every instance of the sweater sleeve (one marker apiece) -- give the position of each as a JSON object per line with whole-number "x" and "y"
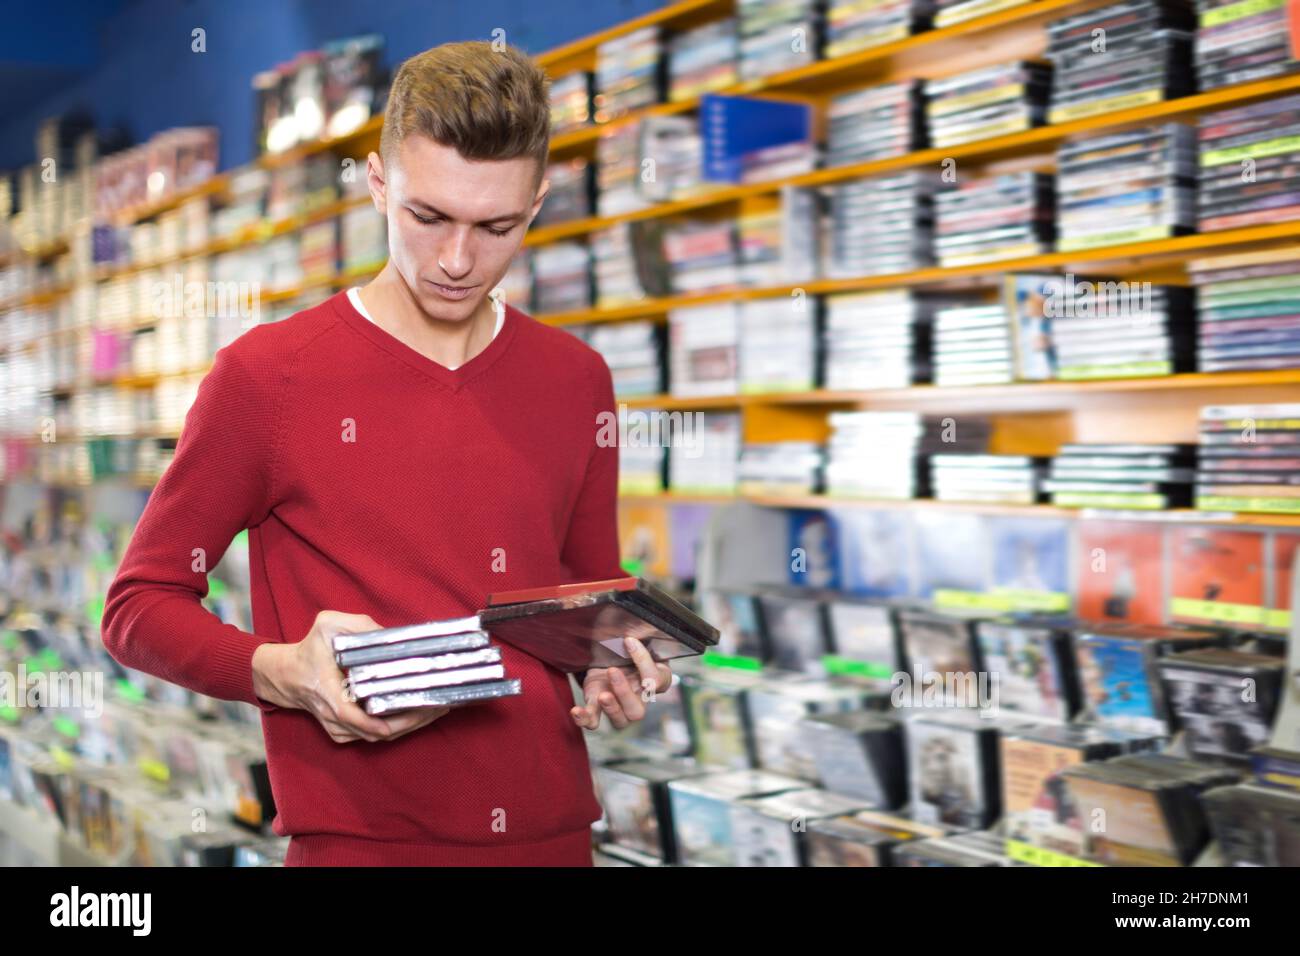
{"x": 591, "y": 550}
{"x": 218, "y": 484}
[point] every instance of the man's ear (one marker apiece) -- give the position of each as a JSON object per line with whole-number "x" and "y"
{"x": 542, "y": 190}
{"x": 376, "y": 183}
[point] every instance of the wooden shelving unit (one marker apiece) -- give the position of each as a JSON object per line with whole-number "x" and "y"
{"x": 1028, "y": 417}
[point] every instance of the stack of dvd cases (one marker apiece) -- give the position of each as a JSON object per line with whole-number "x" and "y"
{"x": 877, "y": 339}
{"x": 1255, "y": 825}
{"x": 881, "y": 225}
{"x": 1133, "y": 186}
{"x": 984, "y": 103}
{"x": 618, "y": 170}
{"x": 779, "y": 246}
{"x": 778, "y": 345}
{"x": 776, "y": 35}
{"x": 702, "y": 60}
{"x": 561, "y": 277}
{"x": 1131, "y": 477}
{"x": 884, "y": 454}
{"x": 874, "y": 123}
{"x": 852, "y": 25}
{"x": 1029, "y": 656}
{"x": 1248, "y": 165}
{"x": 627, "y": 73}
{"x": 1248, "y": 310}
{"x": 1242, "y": 42}
{"x": 954, "y": 775}
{"x": 672, "y": 147}
{"x": 1249, "y": 458}
{"x": 614, "y": 265}
{"x": 440, "y": 663}
{"x": 1119, "y": 676}
{"x": 1143, "y": 330}
{"x": 570, "y": 194}
{"x": 999, "y": 217}
{"x": 641, "y": 464}
{"x": 1205, "y": 689}
{"x": 1124, "y": 55}
{"x": 634, "y": 353}
{"x": 1005, "y": 479}
{"x": 705, "y": 460}
{"x": 703, "y": 349}
{"x": 701, "y": 255}
{"x": 1151, "y": 804}
{"x": 972, "y": 345}
{"x": 780, "y": 468}
{"x": 1038, "y": 810}
{"x": 570, "y": 102}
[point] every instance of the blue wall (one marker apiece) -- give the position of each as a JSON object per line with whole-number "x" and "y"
{"x": 146, "y": 78}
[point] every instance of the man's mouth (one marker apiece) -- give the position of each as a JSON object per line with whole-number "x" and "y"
{"x": 452, "y": 291}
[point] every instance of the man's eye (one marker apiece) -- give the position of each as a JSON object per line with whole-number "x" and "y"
{"x": 427, "y": 221}
{"x": 498, "y": 232}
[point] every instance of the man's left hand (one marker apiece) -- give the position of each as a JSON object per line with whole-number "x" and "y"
{"x": 620, "y": 696}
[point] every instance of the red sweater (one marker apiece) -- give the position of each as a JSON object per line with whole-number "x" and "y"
{"x": 375, "y": 481}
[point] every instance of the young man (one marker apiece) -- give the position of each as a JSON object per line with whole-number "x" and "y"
{"x": 397, "y": 453}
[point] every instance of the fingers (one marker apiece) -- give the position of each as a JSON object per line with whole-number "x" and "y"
{"x": 403, "y": 723}
{"x": 588, "y": 716}
{"x": 645, "y": 664}
{"x": 627, "y": 705}
{"x": 330, "y": 623}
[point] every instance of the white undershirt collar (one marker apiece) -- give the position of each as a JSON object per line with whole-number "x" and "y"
{"x": 354, "y": 296}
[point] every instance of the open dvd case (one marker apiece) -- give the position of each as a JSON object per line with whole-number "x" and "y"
{"x": 572, "y": 627}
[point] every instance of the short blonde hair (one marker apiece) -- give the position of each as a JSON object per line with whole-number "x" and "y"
{"x": 484, "y": 102}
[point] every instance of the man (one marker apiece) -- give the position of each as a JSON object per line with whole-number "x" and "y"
{"x": 397, "y": 453}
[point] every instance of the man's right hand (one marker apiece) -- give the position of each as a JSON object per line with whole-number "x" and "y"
{"x": 304, "y": 676}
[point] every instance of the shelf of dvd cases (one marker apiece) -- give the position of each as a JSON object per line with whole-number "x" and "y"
{"x": 825, "y": 502}
{"x": 926, "y": 54}
{"x": 1187, "y": 381}
{"x": 1124, "y": 259}
{"x": 980, "y": 151}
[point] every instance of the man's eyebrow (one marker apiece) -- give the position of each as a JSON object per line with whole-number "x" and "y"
{"x": 434, "y": 210}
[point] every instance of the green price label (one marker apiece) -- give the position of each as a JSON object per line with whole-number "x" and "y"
{"x": 734, "y": 661}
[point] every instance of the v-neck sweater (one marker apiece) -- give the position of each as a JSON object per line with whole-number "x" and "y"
{"x": 373, "y": 480}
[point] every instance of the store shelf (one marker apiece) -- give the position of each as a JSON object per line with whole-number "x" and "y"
{"x": 1123, "y": 259}
{"x": 979, "y": 152}
{"x": 825, "y": 502}
{"x": 1059, "y": 392}
{"x": 926, "y": 55}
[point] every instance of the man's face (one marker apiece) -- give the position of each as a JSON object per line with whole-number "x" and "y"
{"x": 453, "y": 224}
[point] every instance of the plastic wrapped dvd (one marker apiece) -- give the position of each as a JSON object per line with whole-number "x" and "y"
{"x": 719, "y": 719}
{"x": 1224, "y": 700}
{"x": 442, "y": 696}
{"x": 771, "y": 830}
{"x": 776, "y": 706}
{"x": 638, "y": 813}
{"x": 702, "y": 808}
{"x": 859, "y": 753}
{"x": 953, "y": 768}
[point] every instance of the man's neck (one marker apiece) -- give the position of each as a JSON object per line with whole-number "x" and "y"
{"x": 395, "y": 310}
